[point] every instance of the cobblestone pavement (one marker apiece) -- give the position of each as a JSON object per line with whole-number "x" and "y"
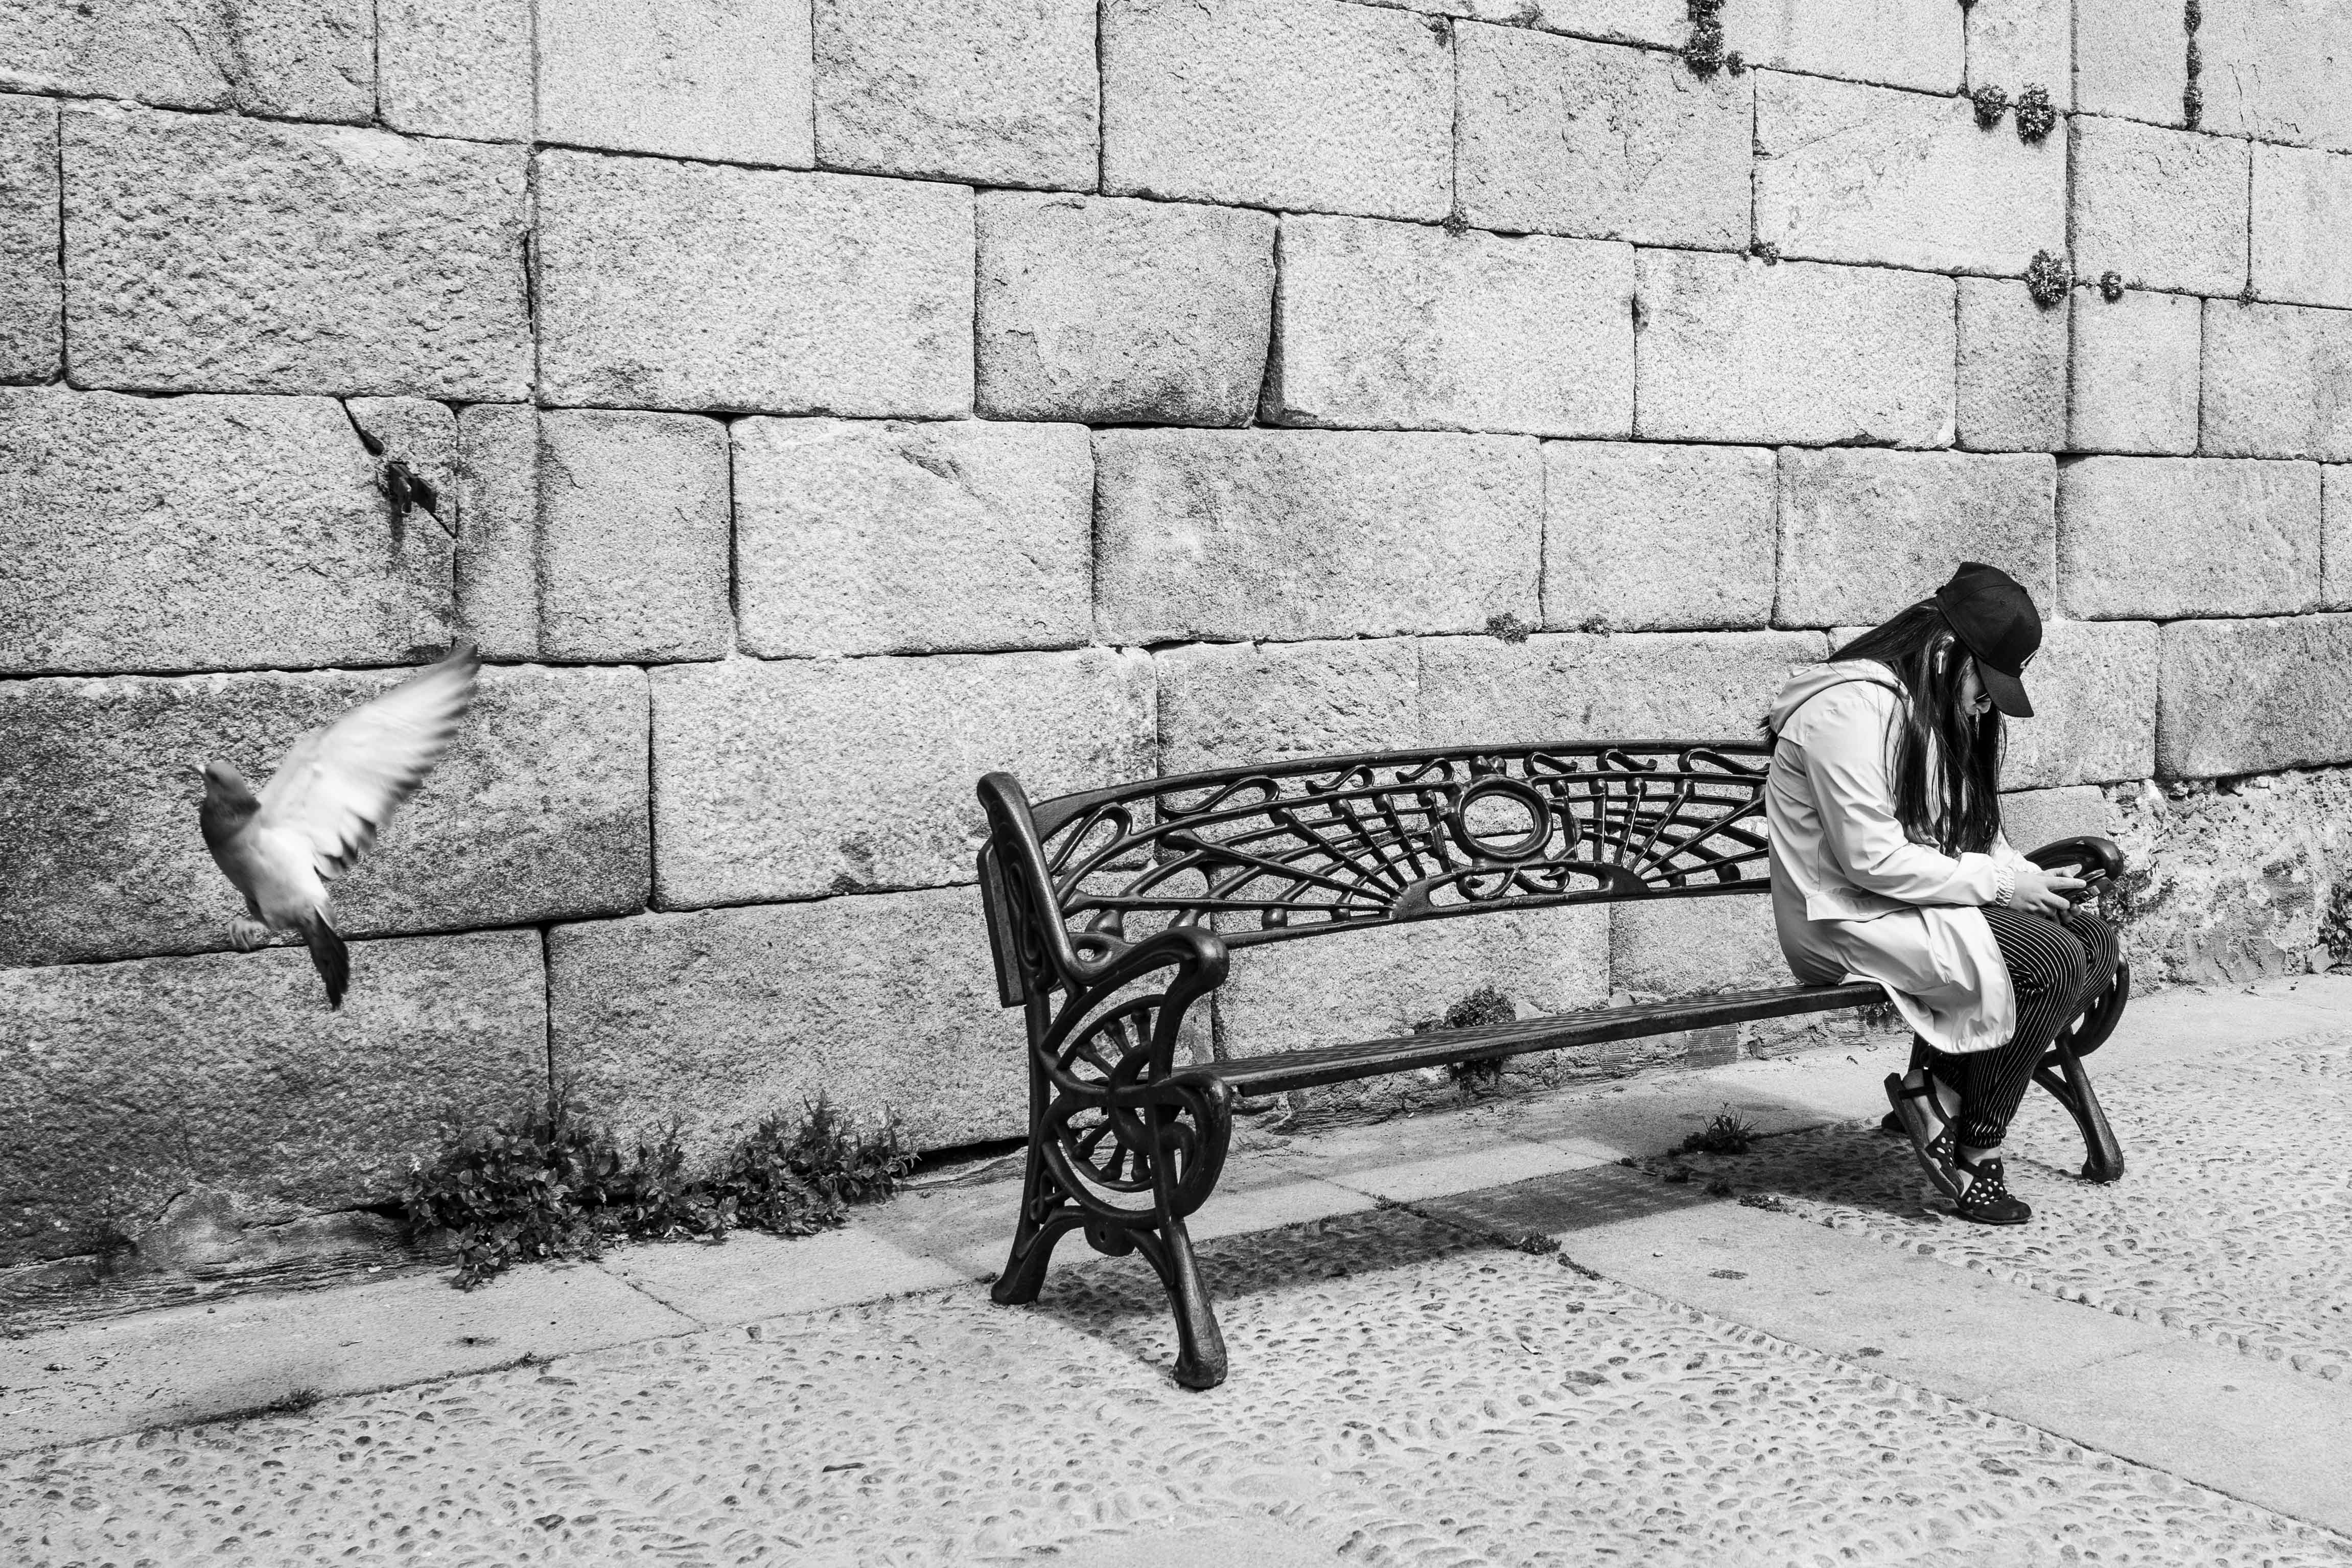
{"x": 1427, "y": 1401}
{"x": 1406, "y": 1392}
{"x": 2232, "y": 1224}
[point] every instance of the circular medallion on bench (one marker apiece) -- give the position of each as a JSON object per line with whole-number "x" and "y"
{"x": 1501, "y": 820}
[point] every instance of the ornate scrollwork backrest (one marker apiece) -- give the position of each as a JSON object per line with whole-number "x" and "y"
{"x": 1269, "y": 854}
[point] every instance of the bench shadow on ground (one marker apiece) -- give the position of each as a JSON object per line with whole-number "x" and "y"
{"x": 1119, "y": 1300}
{"x": 1850, "y": 1163}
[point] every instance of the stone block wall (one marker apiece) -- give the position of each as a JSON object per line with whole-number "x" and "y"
{"x": 830, "y": 400}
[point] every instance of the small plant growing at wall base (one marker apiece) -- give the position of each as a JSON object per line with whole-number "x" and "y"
{"x": 1486, "y": 1004}
{"x": 2037, "y": 117}
{"x": 2336, "y": 925}
{"x": 550, "y": 1183}
{"x": 1992, "y": 102}
{"x": 2047, "y": 277}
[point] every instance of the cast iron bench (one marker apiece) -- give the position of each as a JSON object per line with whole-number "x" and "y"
{"x": 1112, "y": 912}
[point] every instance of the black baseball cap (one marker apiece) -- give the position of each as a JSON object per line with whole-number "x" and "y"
{"x": 1995, "y": 620}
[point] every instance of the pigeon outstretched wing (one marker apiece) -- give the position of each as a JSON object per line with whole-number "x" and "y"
{"x": 341, "y": 782}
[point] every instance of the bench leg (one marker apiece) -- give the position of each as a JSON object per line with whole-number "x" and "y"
{"x": 1200, "y": 1344}
{"x": 2061, "y": 1073}
{"x": 1046, "y": 1216}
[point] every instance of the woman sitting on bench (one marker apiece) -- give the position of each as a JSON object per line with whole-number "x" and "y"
{"x": 1888, "y": 864}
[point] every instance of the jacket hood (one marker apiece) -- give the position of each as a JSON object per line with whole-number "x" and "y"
{"x": 1814, "y": 679}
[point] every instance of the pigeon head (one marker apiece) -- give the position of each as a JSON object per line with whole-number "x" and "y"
{"x": 225, "y": 784}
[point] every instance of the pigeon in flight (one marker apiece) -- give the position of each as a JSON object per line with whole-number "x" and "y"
{"x": 330, "y": 796}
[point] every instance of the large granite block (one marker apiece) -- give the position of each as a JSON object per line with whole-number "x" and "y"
{"x": 2165, "y": 209}
{"x": 1848, "y": 172}
{"x": 288, "y": 59}
{"x": 1225, "y": 704}
{"x": 2302, "y": 213}
{"x": 2253, "y": 695}
{"x": 2094, "y": 686}
{"x": 1646, "y": 537}
{"x": 806, "y": 777}
{"x": 633, "y": 518}
{"x": 2134, "y": 372}
{"x": 1301, "y": 533}
{"x": 687, "y": 79}
{"x": 2014, "y": 43}
{"x": 1896, "y": 43}
{"x": 2012, "y": 369}
{"x": 302, "y": 59}
{"x": 2276, "y": 71}
{"x": 2163, "y": 538}
{"x": 457, "y": 68}
{"x": 2278, "y": 381}
{"x": 1559, "y": 136}
{"x": 999, "y": 516}
{"x": 2131, "y": 58}
{"x": 125, "y": 1086}
{"x": 684, "y": 285}
{"x": 1121, "y": 312}
{"x": 149, "y": 51}
{"x": 220, "y": 254}
{"x": 1662, "y": 23}
{"x": 536, "y": 811}
{"x": 32, "y": 284}
{"x": 2336, "y": 543}
{"x": 2031, "y": 819}
{"x": 496, "y": 573}
{"x": 1383, "y": 325}
{"x": 1370, "y": 985}
{"x": 1667, "y": 947}
{"x": 998, "y": 92}
{"x": 1729, "y": 348}
{"x": 1301, "y": 105}
{"x": 1864, "y": 533}
{"x": 721, "y": 1017}
{"x": 1575, "y": 686}
{"x": 206, "y": 533}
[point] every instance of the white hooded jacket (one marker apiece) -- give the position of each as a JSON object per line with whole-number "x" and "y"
{"x": 1853, "y": 897}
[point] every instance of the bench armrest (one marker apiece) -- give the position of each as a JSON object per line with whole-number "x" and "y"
{"x": 1025, "y": 914}
{"x": 2095, "y": 859}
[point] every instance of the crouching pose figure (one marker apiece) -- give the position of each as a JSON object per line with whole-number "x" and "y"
{"x": 1888, "y": 864}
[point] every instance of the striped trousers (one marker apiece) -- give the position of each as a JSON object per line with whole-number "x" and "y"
{"x": 2057, "y": 967}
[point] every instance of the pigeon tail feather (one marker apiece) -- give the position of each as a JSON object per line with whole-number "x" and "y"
{"x": 329, "y": 957}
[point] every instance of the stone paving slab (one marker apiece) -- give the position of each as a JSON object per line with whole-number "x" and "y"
{"x": 753, "y": 1275}
{"x": 2228, "y": 1225}
{"x": 2127, "y": 1386}
{"x": 199, "y": 1363}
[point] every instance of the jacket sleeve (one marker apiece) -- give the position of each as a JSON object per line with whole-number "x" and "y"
{"x": 1844, "y": 745}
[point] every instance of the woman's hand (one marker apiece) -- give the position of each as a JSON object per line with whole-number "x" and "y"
{"x": 2039, "y": 892}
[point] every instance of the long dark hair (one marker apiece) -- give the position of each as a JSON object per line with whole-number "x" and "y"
{"x": 1958, "y": 809}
